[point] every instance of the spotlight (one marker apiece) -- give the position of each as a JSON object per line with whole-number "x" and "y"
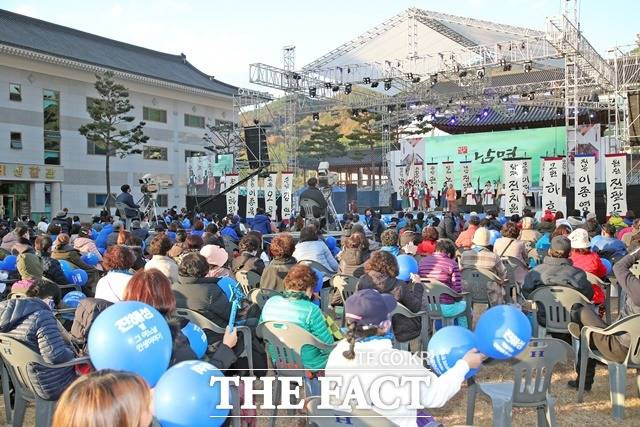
{"x": 256, "y": 122}
{"x": 315, "y": 117}
{"x": 506, "y": 67}
{"x": 504, "y": 98}
{"x": 312, "y": 92}
{"x": 387, "y": 84}
{"x": 462, "y": 73}
{"x": 420, "y": 117}
{"x": 463, "y": 109}
{"x": 366, "y": 80}
{"x": 429, "y": 117}
{"x": 453, "y": 120}
{"x": 434, "y": 79}
{"x": 528, "y": 66}
{"x": 327, "y": 85}
{"x": 347, "y": 88}
{"x": 591, "y": 115}
{"x": 532, "y": 96}
{"x": 480, "y": 72}
{"x": 385, "y": 128}
{"x": 335, "y": 88}
{"x": 525, "y": 109}
{"x": 410, "y": 76}
{"x": 558, "y": 111}
{"x": 375, "y": 84}
{"x": 415, "y": 79}
{"x": 478, "y": 117}
{"x": 355, "y": 113}
{"x": 485, "y": 112}
{"x": 438, "y": 110}
{"x": 296, "y": 76}
{"x": 390, "y": 108}
{"x": 348, "y": 70}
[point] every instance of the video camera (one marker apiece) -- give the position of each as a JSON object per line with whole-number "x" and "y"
{"x": 326, "y": 179}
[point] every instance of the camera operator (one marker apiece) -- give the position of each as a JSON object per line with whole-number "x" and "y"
{"x": 313, "y": 193}
{"x": 131, "y": 211}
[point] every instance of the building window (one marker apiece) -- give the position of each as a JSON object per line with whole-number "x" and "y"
{"x": 96, "y": 200}
{"x": 193, "y": 121}
{"x": 154, "y": 115}
{"x": 96, "y": 148}
{"x": 192, "y": 153}
{"x": 15, "y": 92}
{"x": 16, "y": 140}
{"x": 224, "y": 124}
{"x": 51, "y": 117}
{"x": 163, "y": 200}
{"x": 154, "y": 153}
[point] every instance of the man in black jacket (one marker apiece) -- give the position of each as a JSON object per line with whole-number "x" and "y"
{"x": 313, "y": 194}
{"x": 131, "y": 211}
{"x": 612, "y": 347}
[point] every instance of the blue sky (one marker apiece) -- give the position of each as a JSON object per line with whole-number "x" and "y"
{"x": 223, "y": 37}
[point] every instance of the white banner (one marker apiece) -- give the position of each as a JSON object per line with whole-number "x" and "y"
{"x": 552, "y": 188}
{"x": 616, "y": 179}
{"x": 585, "y": 183}
{"x": 513, "y": 187}
{"x": 252, "y": 197}
{"x": 465, "y": 175}
{"x": 448, "y": 172}
{"x": 270, "y": 195}
{"x": 526, "y": 176}
{"x": 401, "y": 174}
{"x": 418, "y": 174}
{"x": 232, "y": 196}
{"x": 432, "y": 177}
{"x": 285, "y": 190}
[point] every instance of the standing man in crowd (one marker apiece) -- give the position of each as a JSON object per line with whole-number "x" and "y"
{"x": 131, "y": 211}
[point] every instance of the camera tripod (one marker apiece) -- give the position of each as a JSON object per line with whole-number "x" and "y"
{"x": 331, "y": 209}
{"x": 148, "y": 205}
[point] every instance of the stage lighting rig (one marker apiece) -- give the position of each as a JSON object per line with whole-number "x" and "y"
{"x": 366, "y": 80}
{"x": 528, "y": 66}
{"x": 347, "y": 88}
{"x": 433, "y": 79}
{"x": 335, "y": 88}
{"x": 327, "y": 85}
{"x": 312, "y": 92}
{"x": 558, "y": 111}
{"x": 525, "y": 109}
{"x": 315, "y": 117}
{"x": 480, "y": 72}
{"x": 387, "y": 84}
{"x": 375, "y": 84}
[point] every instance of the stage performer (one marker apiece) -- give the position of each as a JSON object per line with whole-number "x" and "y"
{"x": 422, "y": 194}
{"x": 471, "y": 195}
{"x": 405, "y": 194}
{"x": 443, "y": 197}
{"x": 415, "y": 196}
{"x": 451, "y": 196}
{"x": 487, "y": 194}
{"x": 502, "y": 196}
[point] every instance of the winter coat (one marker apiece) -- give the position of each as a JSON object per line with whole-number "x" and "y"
{"x": 556, "y": 272}
{"x": 608, "y": 247}
{"x": 261, "y": 223}
{"x": 247, "y": 262}
{"x": 447, "y": 228}
{"x": 176, "y": 250}
{"x": 230, "y": 232}
{"x": 352, "y": 261}
{"x": 465, "y": 238}
{"x": 407, "y": 294}
{"x": 141, "y": 233}
{"x": 85, "y": 245}
{"x": 31, "y": 321}
{"x": 376, "y": 227}
{"x": 64, "y": 222}
{"x": 112, "y": 286}
{"x": 590, "y": 262}
{"x": 631, "y": 286}
{"x": 443, "y": 269}
{"x": 9, "y": 240}
{"x": 393, "y": 250}
{"x": 295, "y": 307}
{"x": 546, "y": 227}
{"x": 165, "y": 264}
{"x": 203, "y": 295}
{"x": 86, "y": 312}
{"x": 426, "y": 247}
{"x": 316, "y": 250}
{"x": 71, "y": 255}
{"x": 274, "y": 273}
{"x": 112, "y": 239}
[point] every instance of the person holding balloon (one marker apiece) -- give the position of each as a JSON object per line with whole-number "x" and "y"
{"x": 383, "y": 273}
{"x": 85, "y": 244}
{"x": 367, "y": 353}
{"x": 152, "y": 287}
{"x": 51, "y": 267}
{"x": 63, "y": 251}
{"x": 105, "y": 398}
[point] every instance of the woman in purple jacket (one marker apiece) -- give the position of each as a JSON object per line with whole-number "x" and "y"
{"x": 443, "y": 267}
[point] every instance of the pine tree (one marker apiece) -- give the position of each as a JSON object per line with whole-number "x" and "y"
{"x": 109, "y": 130}
{"x": 323, "y": 142}
{"x": 365, "y": 138}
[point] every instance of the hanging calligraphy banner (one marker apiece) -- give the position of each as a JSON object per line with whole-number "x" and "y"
{"x": 418, "y": 174}
{"x": 270, "y": 195}
{"x": 285, "y": 190}
{"x": 552, "y": 188}
{"x": 616, "y": 180}
{"x": 401, "y": 174}
{"x": 513, "y": 187}
{"x": 252, "y": 197}
{"x": 465, "y": 174}
{"x": 585, "y": 185}
{"x": 432, "y": 176}
{"x": 231, "y": 179}
{"x": 448, "y": 172}
{"x": 526, "y": 176}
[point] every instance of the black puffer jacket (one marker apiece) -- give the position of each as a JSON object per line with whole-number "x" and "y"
{"x": 352, "y": 261}
{"x": 31, "y": 321}
{"x": 204, "y": 296}
{"x": 407, "y": 294}
{"x": 51, "y": 269}
{"x": 86, "y": 312}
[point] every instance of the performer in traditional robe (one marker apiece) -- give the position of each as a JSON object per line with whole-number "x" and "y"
{"x": 487, "y": 194}
{"x": 470, "y": 195}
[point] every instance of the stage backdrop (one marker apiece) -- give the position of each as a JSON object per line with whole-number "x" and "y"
{"x": 486, "y": 151}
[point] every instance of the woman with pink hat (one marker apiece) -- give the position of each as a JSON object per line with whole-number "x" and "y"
{"x": 216, "y": 258}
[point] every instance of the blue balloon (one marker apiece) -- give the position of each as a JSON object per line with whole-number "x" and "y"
{"x": 331, "y": 242}
{"x": 197, "y": 338}
{"x": 79, "y": 277}
{"x": 184, "y": 398}
{"x": 67, "y": 269}
{"x": 493, "y": 236}
{"x": 447, "y": 346}
{"x": 90, "y": 259}
{"x": 406, "y": 265}
{"x": 9, "y": 263}
{"x": 502, "y": 332}
{"x": 319, "y": 280}
{"x": 131, "y": 336}
{"x": 73, "y": 298}
{"x": 226, "y": 284}
{"x": 607, "y": 264}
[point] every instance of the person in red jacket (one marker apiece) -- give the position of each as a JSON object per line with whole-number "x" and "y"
{"x": 590, "y": 262}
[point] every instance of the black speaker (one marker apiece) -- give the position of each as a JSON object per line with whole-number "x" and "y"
{"x": 255, "y": 138}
